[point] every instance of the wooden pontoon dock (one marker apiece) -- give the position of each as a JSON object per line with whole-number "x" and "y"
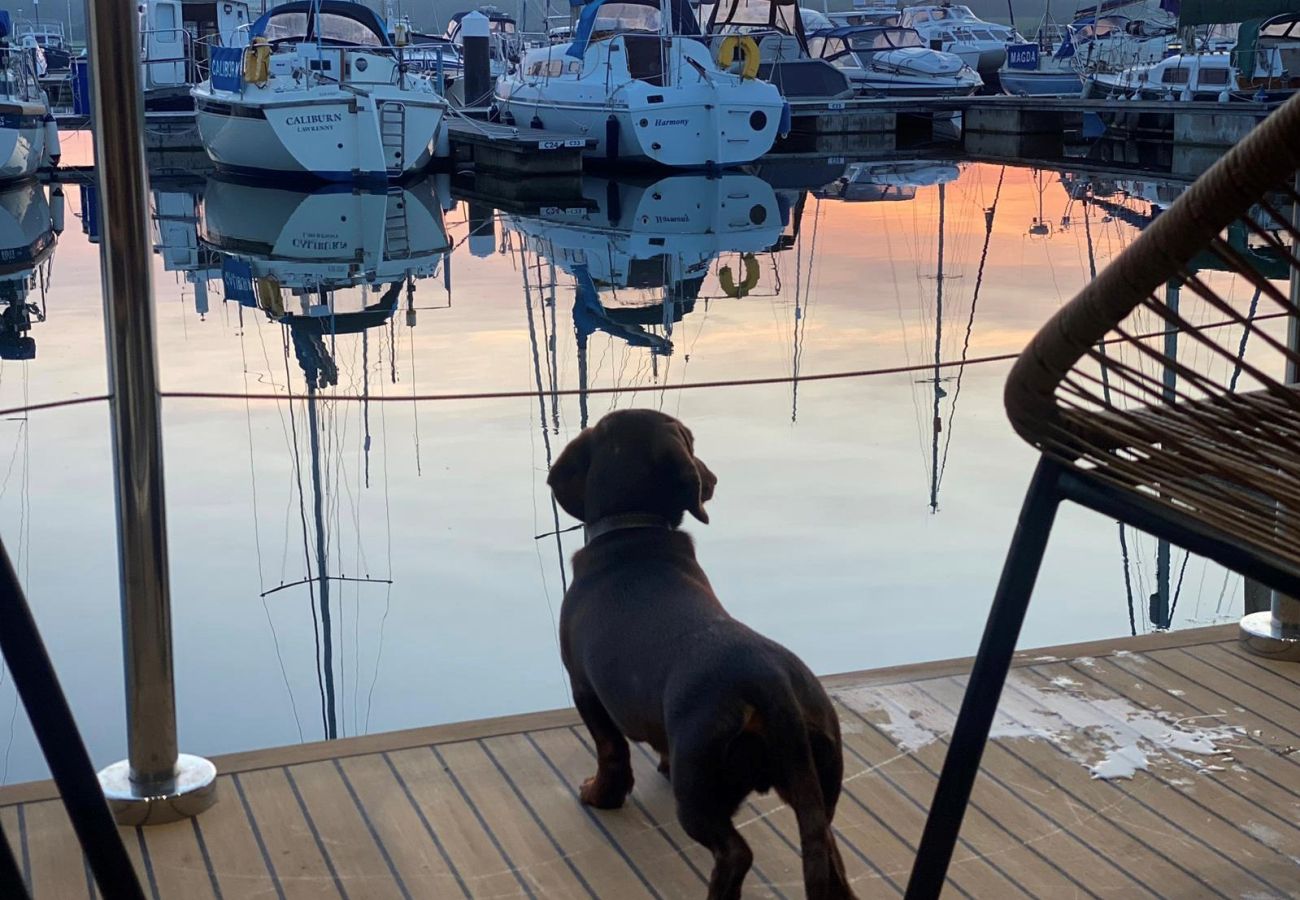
{"x": 489, "y": 808}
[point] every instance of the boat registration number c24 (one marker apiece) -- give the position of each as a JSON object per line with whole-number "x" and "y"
{"x": 556, "y": 145}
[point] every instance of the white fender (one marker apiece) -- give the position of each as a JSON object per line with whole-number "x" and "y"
{"x": 56, "y": 208}
{"x": 52, "y": 148}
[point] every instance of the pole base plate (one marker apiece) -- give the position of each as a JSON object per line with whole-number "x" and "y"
{"x": 193, "y": 790}
{"x": 1262, "y": 635}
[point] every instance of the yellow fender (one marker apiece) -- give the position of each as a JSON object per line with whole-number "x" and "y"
{"x": 748, "y": 48}
{"x": 269, "y": 296}
{"x": 257, "y": 62}
{"x": 728, "y": 281}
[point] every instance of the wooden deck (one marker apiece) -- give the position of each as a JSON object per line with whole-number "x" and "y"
{"x": 488, "y": 809}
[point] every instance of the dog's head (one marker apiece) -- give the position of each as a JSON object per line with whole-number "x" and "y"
{"x": 632, "y": 461}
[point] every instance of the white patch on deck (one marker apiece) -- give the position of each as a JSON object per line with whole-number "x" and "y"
{"x": 1087, "y": 661}
{"x": 1271, "y": 839}
{"x": 1109, "y": 735}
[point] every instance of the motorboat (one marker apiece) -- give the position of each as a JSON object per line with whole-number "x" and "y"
{"x": 505, "y": 43}
{"x": 642, "y": 85}
{"x": 313, "y": 242}
{"x": 879, "y": 14}
{"x": 953, "y": 28}
{"x": 1264, "y": 65}
{"x": 176, "y": 38}
{"x": 641, "y": 251}
{"x": 889, "y": 181}
{"x": 889, "y": 61}
{"x": 777, "y": 28}
{"x": 319, "y": 92}
{"x": 50, "y": 37}
{"x": 29, "y": 137}
{"x": 29, "y": 226}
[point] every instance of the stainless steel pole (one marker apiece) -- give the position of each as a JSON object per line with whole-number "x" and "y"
{"x": 155, "y": 784}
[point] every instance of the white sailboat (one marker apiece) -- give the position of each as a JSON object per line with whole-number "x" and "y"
{"x": 320, "y": 92}
{"x": 29, "y": 138}
{"x": 635, "y": 79}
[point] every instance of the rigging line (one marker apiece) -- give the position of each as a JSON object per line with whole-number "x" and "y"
{"x": 388, "y": 537}
{"x": 257, "y": 539}
{"x": 970, "y": 321}
{"x": 938, "y": 337}
{"x": 546, "y": 435}
{"x": 306, "y": 550}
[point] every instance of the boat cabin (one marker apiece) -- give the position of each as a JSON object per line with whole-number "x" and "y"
{"x": 176, "y": 37}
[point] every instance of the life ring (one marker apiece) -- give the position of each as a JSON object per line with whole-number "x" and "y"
{"x": 257, "y": 62}
{"x": 728, "y": 281}
{"x": 748, "y": 48}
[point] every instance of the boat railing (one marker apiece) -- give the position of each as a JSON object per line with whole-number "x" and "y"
{"x": 18, "y": 74}
{"x": 173, "y": 49}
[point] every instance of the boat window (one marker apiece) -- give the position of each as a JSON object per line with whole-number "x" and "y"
{"x": 886, "y": 40}
{"x": 575, "y": 67}
{"x": 332, "y": 27}
{"x": 165, "y": 20}
{"x": 815, "y": 47}
{"x": 556, "y": 67}
{"x": 1174, "y": 75}
{"x": 619, "y": 17}
{"x": 286, "y": 25}
{"x": 1214, "y": 76}
{"x": 535, "y": 69}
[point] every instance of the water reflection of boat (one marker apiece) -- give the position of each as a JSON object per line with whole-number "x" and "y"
{"x": 29, "y": 226}
{"x": 315, "y": 242}
{"x": 888, "y": 181}
{"x": 640, "y": 254}
{"x": 329, "y": 267}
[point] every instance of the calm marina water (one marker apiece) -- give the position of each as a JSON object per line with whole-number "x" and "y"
{"x": 862, "y": 521}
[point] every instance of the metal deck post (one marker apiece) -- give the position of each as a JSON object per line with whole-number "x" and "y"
{"x": 1275, "y": 632}
{"x": 155, "y": 784}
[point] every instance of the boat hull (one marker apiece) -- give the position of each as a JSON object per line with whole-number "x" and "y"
{"x": 1020, "y": 83}
{"x": 335, "y": 139}
{"x": 678, "y": 135}
{"x": 22, "y": 140}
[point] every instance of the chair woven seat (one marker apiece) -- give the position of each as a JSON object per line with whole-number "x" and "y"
{"x": 1126, "y": 386}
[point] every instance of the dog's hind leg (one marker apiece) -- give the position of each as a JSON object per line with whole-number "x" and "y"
{"x": 705, "y": 813}
{"x": 611, "y": 784}
{"x": 828, "y": 758}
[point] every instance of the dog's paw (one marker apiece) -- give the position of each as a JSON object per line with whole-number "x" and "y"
{"x": 603, "y": 794}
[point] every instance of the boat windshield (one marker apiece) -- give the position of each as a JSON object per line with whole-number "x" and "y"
{"x": 616, "y": 18}
{"x": 885, "y": 39}
{"x": 332, "y": 21}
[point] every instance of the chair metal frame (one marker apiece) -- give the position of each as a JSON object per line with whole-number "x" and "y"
{"x": 65, "y": 752}
{"x": 1193, "y": 223}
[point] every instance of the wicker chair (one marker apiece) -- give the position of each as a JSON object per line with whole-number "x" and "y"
{"x": 1138, "y": 428}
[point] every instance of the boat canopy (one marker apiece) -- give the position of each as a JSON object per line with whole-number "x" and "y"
{"x": 1255, "y": 33}
{"x": 869, "y": 38}
{"x": 758, "y": 15}
{"x": 339, "y": 21}
{"x": 1223, "y": 12}
{"x": 623, "y": 16}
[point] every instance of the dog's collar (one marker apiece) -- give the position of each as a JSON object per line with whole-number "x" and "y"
{"x": 623, "y": 522}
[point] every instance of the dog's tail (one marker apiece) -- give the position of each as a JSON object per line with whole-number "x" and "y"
{"x": 806, "y": 768}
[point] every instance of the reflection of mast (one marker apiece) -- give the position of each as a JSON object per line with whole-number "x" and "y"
{"x": 801, "y": 289}
{"x": 541, "y": 404}
{"x": 320, "y": 370}
{"x": 939, "y": 392}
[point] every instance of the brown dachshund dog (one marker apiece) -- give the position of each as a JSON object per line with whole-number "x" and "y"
{"x": 653, "y": 657}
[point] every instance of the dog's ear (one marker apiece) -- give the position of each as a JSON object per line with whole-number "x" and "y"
{"x": 568, "y": 476}
{"x": 696, "y": 481}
